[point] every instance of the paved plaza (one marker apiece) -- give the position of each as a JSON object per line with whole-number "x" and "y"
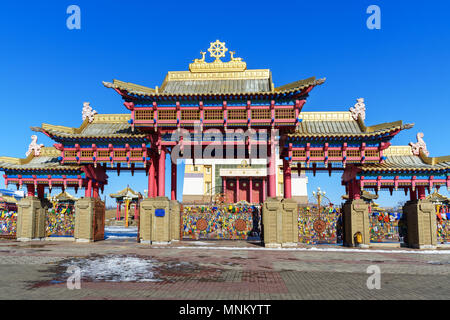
{"x": 124, "y": 269}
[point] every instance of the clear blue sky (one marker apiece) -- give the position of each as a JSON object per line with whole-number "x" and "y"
{"x": 403, "y": 70}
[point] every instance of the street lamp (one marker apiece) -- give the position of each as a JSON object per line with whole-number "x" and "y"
{"x": 318, "y": 195}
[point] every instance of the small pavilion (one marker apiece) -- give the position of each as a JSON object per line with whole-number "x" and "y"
{"x": 128, "y": 197}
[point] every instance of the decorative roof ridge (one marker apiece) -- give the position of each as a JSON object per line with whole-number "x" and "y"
{"x": 300, "y": 84}
{"x": 387, "y": 125}
{"x": 398, "y": 151}
{"x": 326, "y": 116}
{"x": 112, "y": 118}
{"x": 433, "y": 160}
{"x": 129, "y": 86}
{"x": 45, "y": 127}
{"x": 45, "y": 152}
{"x": 98, "y": 118}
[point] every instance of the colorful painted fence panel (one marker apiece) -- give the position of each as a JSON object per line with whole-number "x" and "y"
{"x": 443, "y": 223}
{"x": 60, "y": 221}
{"x": 384, "y": 227}
{"x": 222, "y": 222}
{"x": 8, "y": 224}
{"x": 315, "y": 227}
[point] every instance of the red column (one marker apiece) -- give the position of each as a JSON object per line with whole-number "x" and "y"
{"x": 287, "y": 182}
{"x": 224, "y": 185}
{"x": 88, "y": 190}
{"x": 272, "y": 171}
{"x": 40, "y": 191}
{"x": 250, "y": 182}
{"x": 421, "y": 192}
{"x": 117, "y": 211}
{"x": 412, "y": 194}
{"x": 151, "y": 179}
{"x": 95, "y": 191}
{"x": 264, "y": 188}
{"x": 30, "y": 190}
{"x": 173, "y": 182}
{"x": 237, "y": 189}
{"x": 162, "y": 173}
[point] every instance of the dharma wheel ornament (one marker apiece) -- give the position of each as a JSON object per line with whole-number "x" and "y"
{"x": 319, "y": 226}
{"x": 201, "y": 224}
{"x": 217, "y": 49}
{"x": 240, "y": 225}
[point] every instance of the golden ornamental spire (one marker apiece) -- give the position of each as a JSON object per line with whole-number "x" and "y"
{"x": 217, "y": 50}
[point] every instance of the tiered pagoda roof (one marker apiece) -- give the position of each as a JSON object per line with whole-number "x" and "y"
{"x": 127, "y": 192}
{"x": 249, "y": 83}
{"x": 64, "y": 197}
{"x": 401, "y": 159}
{"x": 341, "y": 125}
{"x": 47, "y": 160}
{"x": 103, "y": 126}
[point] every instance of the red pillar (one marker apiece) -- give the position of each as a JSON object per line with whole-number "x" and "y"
{"x": 135, "y": 211}
{"x": 88, "y": 190}
{"x": 264, "y": 189}
{"x": 421, "y": 192}
{"x": 224, "y": 185}
{"x": 40, "y": 191}
{"x": 95, "y": 191}
{"x": 412, "y": 194}
{"x": 287, "y": 182}
{"x": 30, "y": 190}
{"x": 117, "y": 212}
{"x": 237, "y": 190}
{"x": 250, "y": 181}
{"x": 173, "y": 182}
{"x": 162, "y": 173}
{"x": 272, "y": 171}
{"x": 151, "y": 179}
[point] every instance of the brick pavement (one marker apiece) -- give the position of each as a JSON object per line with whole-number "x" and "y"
{"x": 37, "y": 270}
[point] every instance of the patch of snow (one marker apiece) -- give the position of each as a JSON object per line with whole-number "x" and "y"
{"x": 201, "y": 243}
{"x": 116, "y": 229}
{"x": 319, "y": 249}
{"x": 119, "y": 237}
{"x": 115, "y": 268}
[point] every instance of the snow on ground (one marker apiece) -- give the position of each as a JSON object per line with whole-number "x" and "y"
{"x": 320, "y": 249}
{"x": 115, "y": 268}
{"x": 117, "y": 229}
{"x": 119, "y": 232}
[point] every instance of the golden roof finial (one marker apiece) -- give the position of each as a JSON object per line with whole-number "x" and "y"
{"x": 217, "y": 50}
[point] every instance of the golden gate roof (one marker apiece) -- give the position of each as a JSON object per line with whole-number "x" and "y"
{"x": 217, "y": 77}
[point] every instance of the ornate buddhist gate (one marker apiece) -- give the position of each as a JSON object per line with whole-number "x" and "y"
{"x": 8, "y": 224}
{"x": 317, "y": 226}
{"x": 239, "y": 221}
{"x": 60, "y": 221}
{"x": 384, "y": 226}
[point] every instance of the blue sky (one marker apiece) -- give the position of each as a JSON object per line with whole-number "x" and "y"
{"x": 402, "y": 70}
